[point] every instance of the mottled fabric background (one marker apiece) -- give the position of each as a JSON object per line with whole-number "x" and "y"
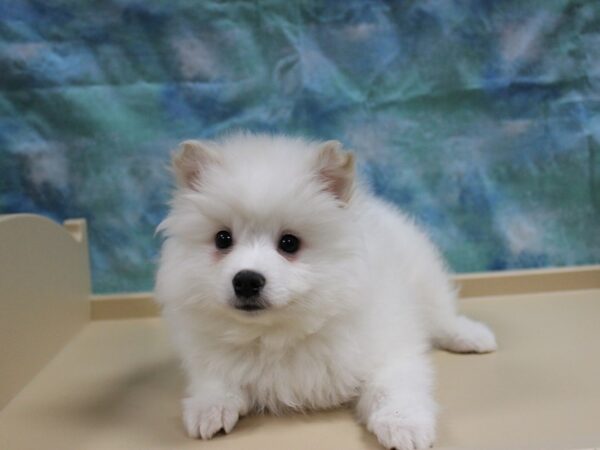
{"x": 481, "y": 118}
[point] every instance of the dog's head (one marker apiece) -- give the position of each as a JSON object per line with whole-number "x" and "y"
{"x": 259, "y": 225}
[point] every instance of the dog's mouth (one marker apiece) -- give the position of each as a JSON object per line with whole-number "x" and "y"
{"x": 250, "y": 305}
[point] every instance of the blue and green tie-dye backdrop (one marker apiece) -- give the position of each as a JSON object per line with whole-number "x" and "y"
{"x": 482, "y": 118}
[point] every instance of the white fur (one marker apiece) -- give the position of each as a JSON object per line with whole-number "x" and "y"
{"x": 352, "y": 314}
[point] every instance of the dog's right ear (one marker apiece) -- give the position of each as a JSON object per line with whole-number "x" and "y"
{"x": 336, "y": 170}
{"x": 190, "y": 160}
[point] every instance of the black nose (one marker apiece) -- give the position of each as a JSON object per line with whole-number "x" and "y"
{"x": 248, "y": 283}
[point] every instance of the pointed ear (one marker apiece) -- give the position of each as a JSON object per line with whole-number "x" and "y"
{"x": 336, "y": 169}
{"x": 190, "y": 160}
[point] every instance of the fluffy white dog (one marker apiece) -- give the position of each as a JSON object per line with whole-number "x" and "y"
{"x": 288, "y": 286}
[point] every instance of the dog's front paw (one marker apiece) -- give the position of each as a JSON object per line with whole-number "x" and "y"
{"x": 403, "y": 430}
{"x": 204, "y": 421}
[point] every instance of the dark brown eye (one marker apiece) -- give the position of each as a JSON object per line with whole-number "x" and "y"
{"x": 289, "y": 243}
{"x": 223, "y": 239}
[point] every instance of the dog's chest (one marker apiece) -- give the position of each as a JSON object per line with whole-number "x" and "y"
{"x": 313, "y": 374}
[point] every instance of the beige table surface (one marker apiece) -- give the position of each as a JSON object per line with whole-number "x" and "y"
{"x": 117, "y": 385}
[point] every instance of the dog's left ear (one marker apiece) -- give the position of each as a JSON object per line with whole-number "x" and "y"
{"x": 336, "y": 169}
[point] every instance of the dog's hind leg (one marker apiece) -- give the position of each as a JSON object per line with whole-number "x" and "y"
{"x": 448, "y": 329}
{"x": 464, "y": 335}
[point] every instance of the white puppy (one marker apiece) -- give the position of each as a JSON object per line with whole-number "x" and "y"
{"x": 288, "y": 286}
